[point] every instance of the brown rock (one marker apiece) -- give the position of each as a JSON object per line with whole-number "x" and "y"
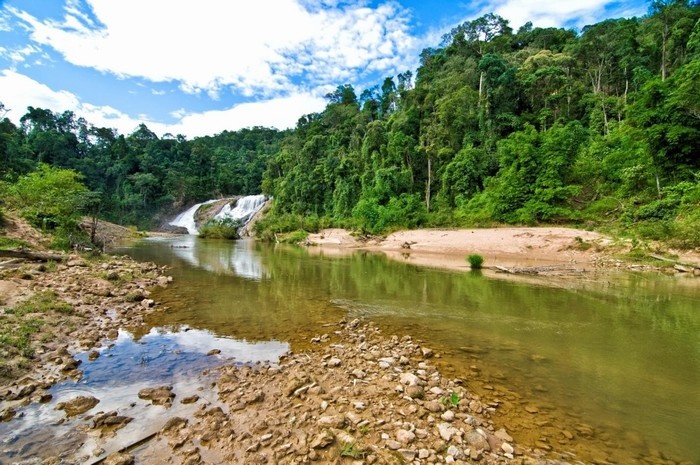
{"x": 162, "y": 395}
{"x": 78, "y": 405}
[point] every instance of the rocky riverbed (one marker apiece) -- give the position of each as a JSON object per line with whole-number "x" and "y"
{"x": 356, "y": 396}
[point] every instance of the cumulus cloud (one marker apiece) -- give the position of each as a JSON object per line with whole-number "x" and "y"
{"x": 253, "y": 48}
{"x": 279, "y": 112}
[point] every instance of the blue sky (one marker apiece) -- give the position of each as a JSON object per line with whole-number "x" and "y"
{"x": 198, "y": 67}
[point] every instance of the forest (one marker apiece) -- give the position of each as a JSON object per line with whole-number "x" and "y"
{"x": 597, "y": 128}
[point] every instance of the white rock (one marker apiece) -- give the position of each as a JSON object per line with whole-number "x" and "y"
{"x": 423, "y": 454}
{"x": 454, "y": 452}
{"x": 405, "y": 437}
{"x": 507, "y": 448}
{"x": 448, "y": 415}
{"x": 409, "y": 379}
{"x": 334, "y": 362}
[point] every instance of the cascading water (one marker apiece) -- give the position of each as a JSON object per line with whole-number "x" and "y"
{"x": 186, "y": 218}
{"x": 244, "y": 209}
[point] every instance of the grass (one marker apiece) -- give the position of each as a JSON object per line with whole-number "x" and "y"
{"x": 8, "y": 243}
{"x": 452, "y": 400}
{"x": 19, "y": 324}
{"x": 476, "y": 261}
{"x": 352, "y": 450}
{"x": 226, "y": 228}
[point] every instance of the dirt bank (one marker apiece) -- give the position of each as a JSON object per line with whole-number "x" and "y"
{"x": 544, "y": 251}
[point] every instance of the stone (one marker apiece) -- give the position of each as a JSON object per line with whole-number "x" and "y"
{"x": 447, "y": 431}
{"x": 393, "y": 445}
{"x": 162, "y": 395}
{"x": 409, "y": 379}
{"x": 415, "y": 392}
{"x": 119, "y": 458}
{"x": 507, "y": 448}
{"x": 455, "y": 452}
{"x": 214, "y": 352}
{"x": 190, "y": 399}
{"x": 333, "y": 421}
{"x": 78, "y": 405}
{"x": 501, "y": 434}
{"x": 423, "y": 454}
{"x": 405, "y": 437}
{"x": 334, "y": 362}
{"x": 433, "y": 406}
{"x": 359, "y": 374}
{"x": 408, "y": 454}
{"x": 448, "y": 415}
{"x": 427, "y": 353}
{"x": 477, "y": 441}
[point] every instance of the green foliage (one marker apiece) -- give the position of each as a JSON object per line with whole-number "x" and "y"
{"x": 475, "y": 261}
{"x": 451, "y": 401}
{"x": 352, "y": 450}
{"x": 544, "y": 125}
{"x": 225, "y": 228}
{"x": 42, "y": 302}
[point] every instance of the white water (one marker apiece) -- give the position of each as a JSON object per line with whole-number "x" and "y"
{"x": 186, "y": 218}
{"x": 244, "y": 210}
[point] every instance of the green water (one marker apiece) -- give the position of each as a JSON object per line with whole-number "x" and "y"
{"x": 614, "y": 359}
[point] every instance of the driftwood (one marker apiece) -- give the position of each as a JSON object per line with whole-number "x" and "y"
{"x": 36, "y": 256}
{"x": 535, "y": 270}
{"x": 675, "y": 262}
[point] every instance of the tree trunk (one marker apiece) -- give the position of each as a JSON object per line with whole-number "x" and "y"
{"x": 427, "y": 186}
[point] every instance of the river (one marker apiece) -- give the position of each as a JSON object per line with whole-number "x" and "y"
{"x": 605, "y": 368}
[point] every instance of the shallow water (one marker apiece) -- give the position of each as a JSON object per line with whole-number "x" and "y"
{"x": 604, "y": 367}
{"x": 175, "y": 356}
{"x": 613, "y": 359}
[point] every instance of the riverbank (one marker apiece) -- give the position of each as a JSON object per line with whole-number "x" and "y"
{"x": 549, "y": 251}
{"x": 351, "y": 394}
{"x": 355, "y": 396}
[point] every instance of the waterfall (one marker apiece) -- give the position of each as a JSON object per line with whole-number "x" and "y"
{"x": 186, "y": 218}
{"x": 244, "y": 210}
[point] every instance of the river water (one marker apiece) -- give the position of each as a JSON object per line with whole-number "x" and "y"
{"x": 605, "y": 367}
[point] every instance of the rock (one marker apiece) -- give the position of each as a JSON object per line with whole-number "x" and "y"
{"x": 427, "y": 353}
{"x": 110, "y": 420}
{"x": 148, "y": 303}
{"x": 359, "y": 374}
{"x": 190, "y": 400}
{"x": 408, "y": 454}
{"x": 119, "y": 458}
{"x": 354, "y": 323}
{"x": 7, "y": 414}
{"x": 162, "y": 395}
{"x": 448, "y": 415}
{"x": 423, "y": 454}
{"x": 78, "y": 405}
{"x": 455, "y": 452}
{"x": 447, "y": 431}
{"x": 405, "y": 437}
{"x": 507, "y": 448}
{"x": 93, "y": 355}
{"x": 174, "y": 424}
{"x": 409, "y": 379}
{"x": 393, "y": 445}
{"x": 477, "y": 441}
{"x": 502, "y": 435}
{"x": 333, "y": 421}
{"x": 415, "y": 392}
{"x": 531, "y": 409}
{"x": 214, "y": 352}
{"x": 323, "y": 440}
{"x": 433, "y": 406}
{"x": 334, "y": 362}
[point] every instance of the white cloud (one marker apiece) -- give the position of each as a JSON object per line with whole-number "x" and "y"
{"x": 280, "y": 112}
{"x": 255, "y": 48}
{"x": 556, "y": 13}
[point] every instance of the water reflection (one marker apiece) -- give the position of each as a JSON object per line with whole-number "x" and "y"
{"x": 621, "y": 354}
{"x": 174, "y": 356}
{"x": 229, "y": 258}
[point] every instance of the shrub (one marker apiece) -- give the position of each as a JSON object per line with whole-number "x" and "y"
{"x": 225, "y": 228}
{"x": 475, "y": 261}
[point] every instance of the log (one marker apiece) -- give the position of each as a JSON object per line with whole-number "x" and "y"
{"x": 675, "y": 262}
{"x": 36, "y": 256}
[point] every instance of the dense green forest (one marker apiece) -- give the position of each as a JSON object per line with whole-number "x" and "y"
{"x": 598, "y": 128}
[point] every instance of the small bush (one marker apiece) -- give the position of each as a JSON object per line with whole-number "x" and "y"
{"x": 475, "y": 261}
{"x": 226, "y": 228}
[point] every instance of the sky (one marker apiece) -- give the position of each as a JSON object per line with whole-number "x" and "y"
{"x": 199, "y": 67}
